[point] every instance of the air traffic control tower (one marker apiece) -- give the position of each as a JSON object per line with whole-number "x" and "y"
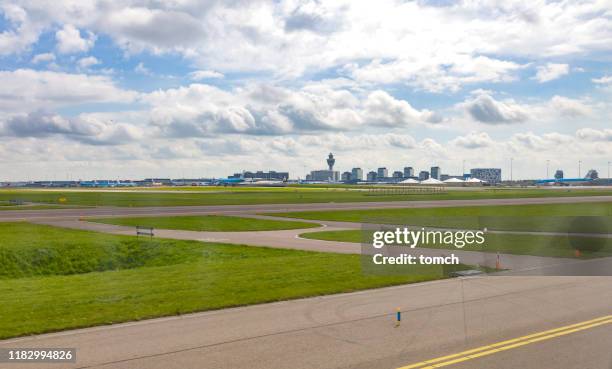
{"x": 325, "y": 175}
{"x": 331, "y": 161}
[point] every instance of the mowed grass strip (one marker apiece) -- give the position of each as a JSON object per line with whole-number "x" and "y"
{"x": 552, "y": 246}
{"x": 211, "y": 223}
{"x": 287, "y": 195}
{"x": 28, "y": 250}
{"x": 72, "y": 278}
{"x": 540, "y": 217}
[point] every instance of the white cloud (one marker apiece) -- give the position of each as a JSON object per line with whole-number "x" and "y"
{"x": 384, "y": 110}
{"x": 386, "y": 41}
{"x": 86, "y": 130}
{"x": 558, "y": 110}
{"x": 572, "y": 108}
{"x": 141, "y": 69}
{"x": 605, "y": 80}
{"x": 69, "y": 40}
{"x": 26, "y": 89}
{"x": 88, "y": 62}
{"x": 20, "y": 33}
{"x": 474, "y": 140}
{"x": 535, "y": 142}
{"x": 271, "y": 113}
{"x": 205, "y": 74}
{"x": 435, "y": 74}
{"x": 71, "y": 144}
{"x": 261, "y": 109}
{"x": 157, "y": 28}
{"x": 591, "y": 134}
{"x": 551, "y": 71}
{"x": 485, "y": 109}
{"x": 43, "y": 58}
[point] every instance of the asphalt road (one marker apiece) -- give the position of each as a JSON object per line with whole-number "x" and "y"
{"x": 357, "y": 330}
{"x": 9, "y": 215}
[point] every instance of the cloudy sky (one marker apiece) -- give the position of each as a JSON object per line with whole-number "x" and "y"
{"x": 185, "y": 88}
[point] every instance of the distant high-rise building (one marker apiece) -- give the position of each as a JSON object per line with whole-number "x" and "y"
{"x": 423, "y": 175}
{"x": 382, "y": 173}
{"x": 398, "y": 174}
{"x": 408, "y": 172}
{"x": 559, "y": 174}
{"x": 489, "y": 175}
{"x": 435, "y": 172}
{"x": 331, "y": 161}
{"x": 346, "y": 177}
{"x": 371, "y": 176}
{"x": 324, "y": 175}
{"x": 357, "y": 174}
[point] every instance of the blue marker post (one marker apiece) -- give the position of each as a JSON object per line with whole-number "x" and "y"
{"x": 398, "y": 317}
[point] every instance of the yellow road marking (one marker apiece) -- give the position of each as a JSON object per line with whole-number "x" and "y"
{"x": 508, "y": 344}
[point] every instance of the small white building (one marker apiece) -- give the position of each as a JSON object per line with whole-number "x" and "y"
{"x": 432, "y": 181}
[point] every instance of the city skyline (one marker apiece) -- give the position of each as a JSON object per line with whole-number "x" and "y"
{"x": 113, "y": 90}
{"x": 361, "y": 174}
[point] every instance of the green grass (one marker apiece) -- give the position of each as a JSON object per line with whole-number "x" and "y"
{"x": 212, "y": 223}
{"x": 557, "y": 246}
{"x": 545, "y": 217}
{"x": 28, "y": 250}
{"x": 55, "y": 279}
{"x": 286, "y": 195}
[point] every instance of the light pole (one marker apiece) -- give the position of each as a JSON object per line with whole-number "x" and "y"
{"x": 608, "y": 172}
{"x": 547, "y": 165}
{"x": 511, "y": 159}
{"x": 463, "y": 169}
{"x": 579, "y": 171}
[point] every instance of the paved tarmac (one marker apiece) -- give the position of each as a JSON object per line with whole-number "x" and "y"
{"x": 357, "y": 330}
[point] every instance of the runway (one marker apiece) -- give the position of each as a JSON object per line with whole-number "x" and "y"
{"x": 357, "y": 330}
{"x": 11, "y": 215}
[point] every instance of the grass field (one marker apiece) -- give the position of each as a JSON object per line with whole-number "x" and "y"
{"x": 212, "y": 223}
{"x": 546, "y": 217}
{"x": 557, "y": 246}
{"x": 54, "y": 279}
{"x": 285, "y": 195}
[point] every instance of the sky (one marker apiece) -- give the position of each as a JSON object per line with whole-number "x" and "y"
{"x": 183, "y": 88}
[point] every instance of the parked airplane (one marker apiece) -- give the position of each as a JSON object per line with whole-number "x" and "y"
{"x": 564, "y": 181}
{"x": 251, "y": 182}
